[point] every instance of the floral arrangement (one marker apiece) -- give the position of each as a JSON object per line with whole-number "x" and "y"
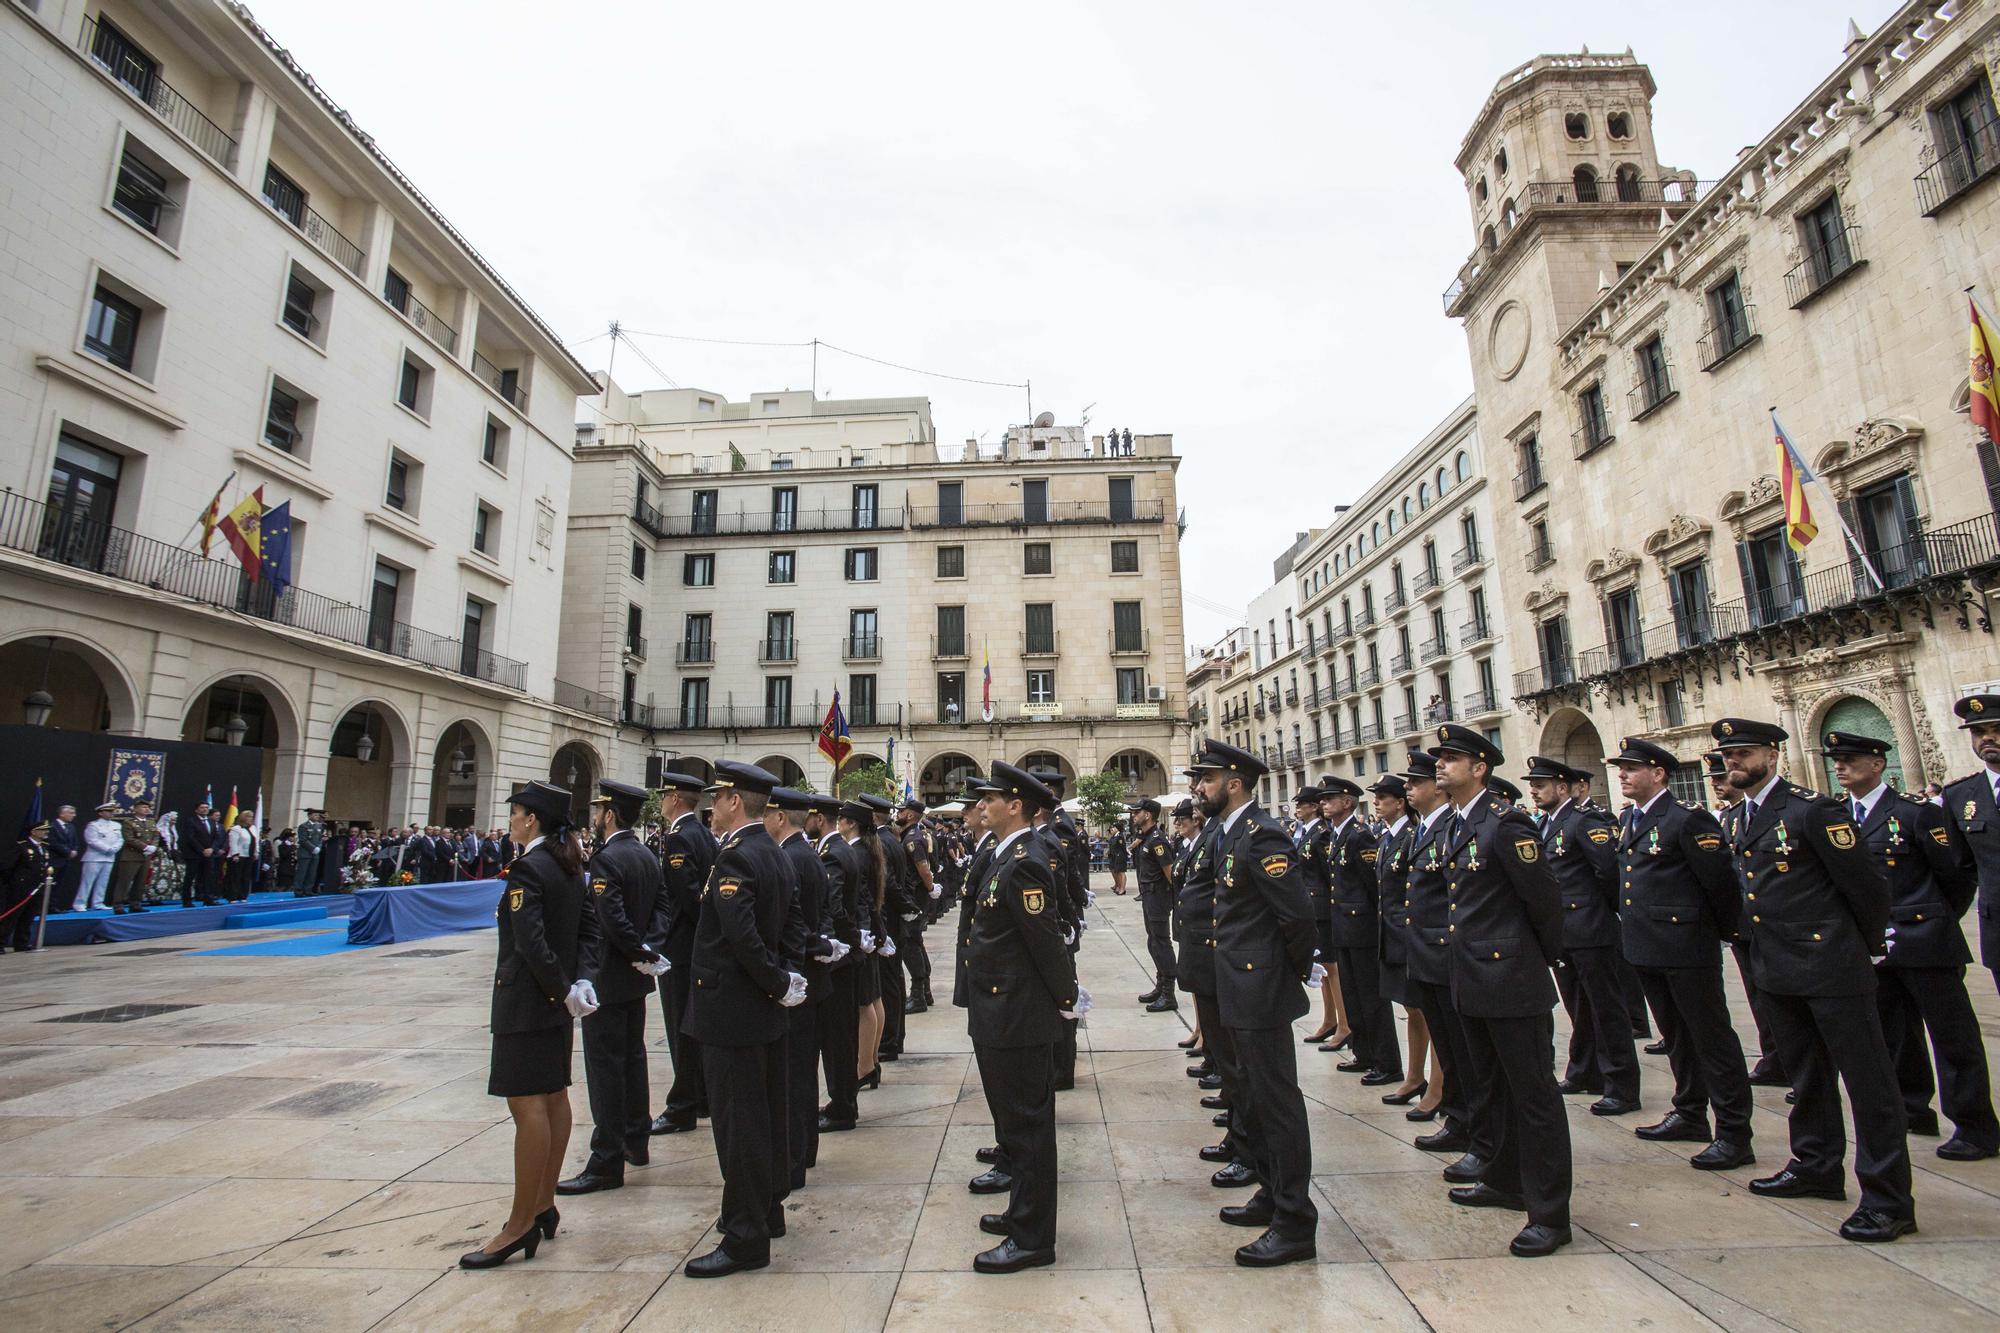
{"x": 357, "y": 874}
{"x": 406, "y": 878}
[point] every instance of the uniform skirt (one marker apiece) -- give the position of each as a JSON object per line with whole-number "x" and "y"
{"x": 530, "y": 1064}
{"x": 868, "y": 979}
{"x": 1323, "y": 928}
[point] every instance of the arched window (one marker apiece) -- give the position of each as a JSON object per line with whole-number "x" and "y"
{"x": 1423, "y": 495}
{"x": 1479, "y": 190}
{"x": 1618, "y": 125}
{"x": 1584, "y": 179}
{"x": 1375, "y": 535}
{"x": 1628, "y": 184}
{"x": 1508, "y": 216}
{"x": 1576, "y": 125}
{"x": 1500, "y": 160}
{"x": 1464, "y": 466}
{"x": 1408, "y": 509}
{"x": 1444, "y": 483}
{"x": 1487, "y": 239}
{"x": 1395, "y": 521}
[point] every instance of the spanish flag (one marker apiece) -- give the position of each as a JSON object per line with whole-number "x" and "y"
{"x": 242, "y": 527}
{"x": 1985, "y": 394}
{"x": 1793, "y": 474}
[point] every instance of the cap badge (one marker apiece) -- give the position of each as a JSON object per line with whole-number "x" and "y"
{"x": 1728, "y": 730}
{"x": 1974, "y": 706}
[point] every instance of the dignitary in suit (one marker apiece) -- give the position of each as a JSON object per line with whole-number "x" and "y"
{"x": 66, "y": 854}
{"x": 1577, "y": 842}
{"x": 840, "y": 1015}
{"x": 1815, "y": 909}
{"x": 624, "y": 885}
{"x": 1354, "y": 890}
{"x": 545, "y": 932}
{"x": 1920, "y": 984}
{"x": 1973, "y": 802}
{"x": 1505, "y": 933}
{"x": 1020, "y": 988}
{"x": 1677, "y": 904}
{"x": 207, "y": 848}
{"x": 689, "y": 853}
{"x": 736, "y": 1010}
{"x": 1153, "y": 862}
{"x": 1265, "y": 940}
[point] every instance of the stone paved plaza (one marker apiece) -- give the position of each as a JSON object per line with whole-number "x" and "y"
{"x": 309, "y": 1145}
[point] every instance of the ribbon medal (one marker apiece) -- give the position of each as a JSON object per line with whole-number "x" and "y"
{"x": 1895, "y": 832}
{"x": 1653, "y": 841}
{"x": 1784, "y": 840}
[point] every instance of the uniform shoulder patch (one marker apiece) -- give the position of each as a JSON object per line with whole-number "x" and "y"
{"x": 1368, "y": 854}
{"x": 514, "y": 897}
{"x": 597, "y": 886}
{"x": 1943, "y": 838}
{"x": 1600, "y": 835}
{"x": 677, "y": 860}
{"x": 1528, "y": 850}
{"x": 1708, "y": 842}
{"x": 728, "y": 887}
{"x": 1032, "y": 901}
{"x": 1020, "y": 851}
{"x": 1275, "y": 866}
{"x": 1841, "y": 836}
{"x": 1159, "y": 849}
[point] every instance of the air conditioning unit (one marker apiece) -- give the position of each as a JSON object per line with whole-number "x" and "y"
{"x": 1156, "y": 694}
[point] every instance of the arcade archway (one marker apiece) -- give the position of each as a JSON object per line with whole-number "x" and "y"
{"x": 66, "y": 683}
{"x": 368, "y": 767}
{"x": 459, "y": 767}
{"x": 1142, "y": 771}
{"x": 576, "y": 768}
{"x": 945, "y": 775}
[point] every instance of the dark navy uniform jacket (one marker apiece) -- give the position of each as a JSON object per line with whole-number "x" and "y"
{"x": 1194, "y": 912}
{"x": 1929, "y": 876}
{"x": 1814, "y": 901}
{"x": 805, "y": 926}
{"x": 1505, "y": 914}
{"x": 1264, "y": 932}
{"x": 1969, "y": 803}
{"x": 1019, "y": 973}
{"x": 739, "y": 976}
{"x": 1392, "y": 890}
{"x": 684, "y": 864}
{"x": 981, "y": 858}
{"x": 544, "y": 927}
{"x": 1677, "y": 900}
{"x": 1315, "y": 870}
{"x": 624, "y": 887}
{"x": 1429, "y": 959}
{"x": 1352, "y": 858}
{"x": 1152, "y": 859}
{"x": 1579, "y": 844}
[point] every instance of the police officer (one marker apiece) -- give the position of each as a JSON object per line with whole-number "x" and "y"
{"x": 839, "y": 1015}
{"x": 1920, "y": 985}
{"x": 1065, "y": 849}
{"x": 25, "y": 880}
{"x": 1467, "y": 1128}
{"x": 1676, "y": 905}
{"x": 1815, "y": 907}
{"x": 1973, "y": 803}
{"x": 1354, "y": 892}
{"x": 1264, "y": 944}
{"x": 1767, "y": 1072}
{"x": 1392, "y": 893}
{"x": 1194, "y": 916}
{"x": 900, "y": 909}
{"x": 809, "y": 951}
{"x": 690, "y": 851}
{"x": 1020, "y": 987}
{"x": 1153, "y": 867}
{"x": 1505, "y": 933}
{"x": 1577, "y": 843}
{"x": 736, "y": 1011}
{"x": 925, "y": 892}
{"x": 1315, "y": 872}
{"x": 624, "y": 885}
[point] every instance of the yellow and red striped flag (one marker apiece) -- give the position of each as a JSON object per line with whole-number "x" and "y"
{"x": 242, "y": 527}
{"x": 212, "y": 516}
{"x": 1985, "y": 394}
{"x": 1793, "y": 474}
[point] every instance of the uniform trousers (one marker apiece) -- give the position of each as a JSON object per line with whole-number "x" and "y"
{"x": 18, "y": 930}
{"x": 1157, "y": 907}
{"x": 1913, "y": 1000}
{"x": 1634, "y": 993}
{"x": 1532, "y": 1158}
{"x": 1463, "y": 1102}
{"x": 1019, "y": 1082}
{"x": 802, "y": 1089}
{"x": 893, "y": 996}
{"x": 1767, "y": 1050}
{"x": 1702, "y": 1048}
{"x": 916, "y": 958}
{"x": 688, "y": 1097}
{"x": 96, "y": 878}
{"x": 1368, "y": 1010}
{"x": 1271, "y": 1112}
{"x": 614, "y": 1067}
{"x": 747, "y": 1085}
{"x": 1065, "y": 1053}
{"x": 127, "y": 877}
{"x": 305, "y": 878}
{"x": 839, "y": 1035}
{"x": 1220, "y": 1048}
{"x": 1825, "y": 1041}
{"x": 1600, "y": 1042}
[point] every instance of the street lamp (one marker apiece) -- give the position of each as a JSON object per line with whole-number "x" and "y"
{"x": 35, "y": 709}
{"x": 364, "y": 749}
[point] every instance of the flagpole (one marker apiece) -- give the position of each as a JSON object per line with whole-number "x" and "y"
{"x": 210, "y": 505}
{"x": 1799, "y": 464}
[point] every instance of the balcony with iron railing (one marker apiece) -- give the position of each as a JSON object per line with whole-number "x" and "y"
{"x": 1826, "y": 262}
{"x": 1042, "y": 645}
{"x": 1258, "y": 709}
{"x": 289, "y": 203}
{"x": 1593, "y": 432}
{"x": 861, "y": 648}
{"x": 1130, "y": 643}
{"x": 1405, "y": 725}
{"x": 647, "y": 517}
{"x": 1475, "y": 631}
{"x": 1529, "y": 479}
{"x": 763, "y": 519}
{"x": 1480, "y": 703}
{"x": 778, "y": 649}
{"x": 1397, "y": 600}
{"x": 578, "y": 699}
{"x": 1671, "y": 194}
{"x": 1725, "y": 337}
{"x": 1654, "y": 391}
{"x": 1430, "y": 650}
{"x": 1050, "y": 513}
{"x": 695, "y": 652}
{"x": 1291, "y": 696}
{"x": 1541, "y": 555}
{"x": 1469, "y": 556}
{"x": 506, "y": 383}
{"x": 948, "y": 649}
{"x": 1427, "y": 583}
{"x": 1364, "y": 620}
{"x": 1295, "y": 756}
{"x": 1367, "y": 678}
{"x": 1439, "y": 712}
{"x": 635, "y": 646}
{"x": 1367, "y": 734}
{"x": 108, "y": 50}
{"x": 1402, "y": 664}
{"x": 421, "y": 317}
{"x": 1959, "y": 167}
{"x": 1951, "y": 550}
{"x": 34, "y": 530}
{"x": 1547, "y": 676}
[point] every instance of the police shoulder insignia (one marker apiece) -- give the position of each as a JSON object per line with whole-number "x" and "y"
{"x": 1841, "y": 836}
{"x": 1943, "y": 838}
{"x": 1055, "y": 867}
{"x": 1159, "y": 849}
{"x": 1527, "y": 849}
{"x": 597, "y": 886}
{"x": 1600, "y": 835}
{"x": 1020, "y": 851}
{"x": 1275, "y": 866}
{"x": 1369, "y": 855}
{"x": 728, "y": 887}
{"x": 514, "y": 899}
{"x": 1032, "y": 901}
{"x": 1708, "y": 842}
{"x": 677, "y": 860}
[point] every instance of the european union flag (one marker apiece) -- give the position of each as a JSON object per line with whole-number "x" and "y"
{"x": 275, "y": 551}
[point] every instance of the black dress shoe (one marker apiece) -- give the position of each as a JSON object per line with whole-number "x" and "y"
{"x": 1232, "y": 1177}
{"x": 1957, "y": 1148}
{"x": 1721, "y": 1156}
{"x": 1375, "y": 1078}
{"x": 1536, "y": 1241}
{"x": 1873, "y": 1227}
{"x": 1270, "y": 1250}
{"x": 1676, "y": 1128}
{"x": 888, "y": 1058}
{"x": 993, "y": 1224}
{"x": 988, "y": 1155}
{"x": 1766, "y": 1074}
{"x": 1209, "y": 1082}
{"x": 1220, "y": 1120}
{"x": 995, "y": 1181}
{"x": 1166, "y": 1004}
{"x": 831, "y": 1126}
{"x": 1354, "y": 1066}
{"x": 1449, "y": 1139}
{"x": 1925, "y": 1125}
{"x": 1466, "y": 1170}
{"x": 1792, "y": 1097}
{"x": 1483, "y": 1195}
{"x": 1613, "y": 1106}
{"x": 639, "y": 1156}
{"x": 1789, "y": 1184}
{"x": 914, "y": 1007}
{"x": 1214, "y": 1103}
{"x": 1150, "y": 995}
{"x": 529, "y": 1241}
{"x": 585, "y": 1183}
{"x": 665, "y": 1124}
{"x": 1656, "y": 1048}
{"x": 1202, "y": 1070}
{"x": 1569, "y": 1087}
{"x": 1420, "y": 1115}
{"x": 1216, "y": 1152}
{"x": 1007, "y": 1257}
{"x": 1251, "y": 1214}
{"x": 719, "y": 1262}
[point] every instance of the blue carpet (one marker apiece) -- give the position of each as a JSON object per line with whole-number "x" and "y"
{"x": 158, "y": 922}
{"x": 312, "y": 945}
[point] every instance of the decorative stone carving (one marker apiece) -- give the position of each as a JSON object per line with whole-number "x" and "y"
{"x": 1935, "y": 762}
{"x": 1764, "y": 490}
{"x": 1545, "y": 598}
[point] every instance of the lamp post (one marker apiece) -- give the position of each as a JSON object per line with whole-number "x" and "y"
{"x": 35, "y": 709}
{"x": 364, "y": 749}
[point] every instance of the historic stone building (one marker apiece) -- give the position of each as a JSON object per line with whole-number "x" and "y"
{"x": 1631, "y": 326}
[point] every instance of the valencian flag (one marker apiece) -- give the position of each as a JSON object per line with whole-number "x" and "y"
{"x": 242, "y": 528}
{"x": 833, "y": 739}
{"x": 212, "y": 515}
{"x": 1985, "y": 394}
{"x": 1793, "y": 474}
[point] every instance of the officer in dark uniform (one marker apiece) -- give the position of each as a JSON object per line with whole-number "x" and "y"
{"x": 1194, "y": 914}
{"x": 1676, "y": 905}
{"x": 897, "y": 903}
{"x": 1264, "y": 945}
{"x": 24, "y": 882}
{"x": 1973, "y": 803}
{"x": 1767, "y": 1072}
{"x": 624, "y": 885}
{"x": 809, "y": 951}
{"x": 840, "y": 1016}
{"x": 1815, "y": 907}
{"x": 1020, "y": 986}
{"x": 1467, "y": 1128}
{"x": 925, "y": 893}
{"x": 1076, "y": 883}
{"x": 1920, "y": 985}
{"x": 690, "y": 851}
{"x": 1577, "y": 843}
{"x": 1155, "y": 872}
{"x": 1392, "y": 951}
{"x": 1065, "y": 846}
{"x": 736, "y": 1011}
{"x": 1315, "y": 872}
{"x": 1354, "y": 889}
{"x": 1504, "y": 930}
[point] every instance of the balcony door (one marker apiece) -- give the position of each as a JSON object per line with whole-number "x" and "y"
{"x": 1889, "y": 532}
{"x": 83, "y": 495}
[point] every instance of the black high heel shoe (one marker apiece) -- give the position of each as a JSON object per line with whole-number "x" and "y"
{"x": 1316, "y": 1037}
{"x": 530, "y": 1240}
{"x": 1188, "y": 1044}
{"x": 873, "y": 1079}
{"x": 548, "y": 1220}
{"x": 1333, "y": 1048}
{"x": 1405, "y": 1098}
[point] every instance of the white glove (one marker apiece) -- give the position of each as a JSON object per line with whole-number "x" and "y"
{"x": 910, "y": 916}
{"x": 936, "y": 892}
{"x": 1082, "y": 1005}
{"x": 581, "y": 1000}
{"x": 795, "y": 993}
{"x": 836, "y": 951}
{"x": 888, "y": 949}
{"x": 659, "y": 967}
{"x": 1317, "y": 977}
{"x": 868, "y": 941}
{"x": 1090, "y": 897}
{"x": 1068, "y": 935}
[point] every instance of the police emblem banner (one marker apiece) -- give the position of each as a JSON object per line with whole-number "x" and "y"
{"x": 135, "y": 776}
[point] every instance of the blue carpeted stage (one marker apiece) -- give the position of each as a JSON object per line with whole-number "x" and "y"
{"x": 154, "y": 923}
{"x": 419, "y": 911}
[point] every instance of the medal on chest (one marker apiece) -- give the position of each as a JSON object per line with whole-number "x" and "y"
{"x": 1895, "y": 831}
{"x": 1784, "y": 840}
{"x": 1229, "y": 870}
{"x": 1557, "y": 850}
{"x": 992, "y": 895}
{"x": 1653, "y": 841}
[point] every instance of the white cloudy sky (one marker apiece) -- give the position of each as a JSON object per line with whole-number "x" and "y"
{"x": 1227, "y": 222}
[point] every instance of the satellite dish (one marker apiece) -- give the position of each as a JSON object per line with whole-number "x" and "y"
{"x": 1045, "y": 420}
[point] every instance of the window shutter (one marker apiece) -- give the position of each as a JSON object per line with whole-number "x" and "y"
{"x": 849, "y": 558}
{"x": 1612, "y": 650}
{"x": 1794, "y": 591}
{"x": 1857, "y": 573}
{"x": 1989, "y": 468}
{"x": 1753, "y": 601}
{"x": 1916, "y": 552}
{"x": 1682, "y": 627}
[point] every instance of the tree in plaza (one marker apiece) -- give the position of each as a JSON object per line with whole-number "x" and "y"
{"x": 1103, "y": 797}
{"x": 870, "y": 779}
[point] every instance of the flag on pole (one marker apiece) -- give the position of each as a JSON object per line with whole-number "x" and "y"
{"x": 274, "y": 532}
{"x": 208, "y": 796}
{"x": 833, "y": 738}
{"x": 229, "y": 819}
{"x": 1793, "y": 474}
{"x": 211, "y": 516}
{"x": 34, "y": 815}
{"x": 1985, "y": 394}
{"x": 241, "y": 527}
{"x": 257, "y": 823}
{"x": 986, "y": 684}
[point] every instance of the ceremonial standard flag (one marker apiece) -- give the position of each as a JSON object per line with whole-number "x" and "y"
{"x": 275, "y": 554}
{"x": 1793, "y": 474}
{"x": 1984, "y": 393}
{"x": 986, "y": 684}
{"x": 34, "y": 815}
{"x": 241, "y": 527}
{"x": 229, "y": 819}
{"x": 833, "y": 739}
{"x": 208, "y": 796}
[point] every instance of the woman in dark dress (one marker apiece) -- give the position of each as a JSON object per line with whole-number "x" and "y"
{"x": 857, "y": 825}
{"x": 544, "y": 929}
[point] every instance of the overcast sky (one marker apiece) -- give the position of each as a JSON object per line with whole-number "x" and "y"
{"x": 1231, "y": 223}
